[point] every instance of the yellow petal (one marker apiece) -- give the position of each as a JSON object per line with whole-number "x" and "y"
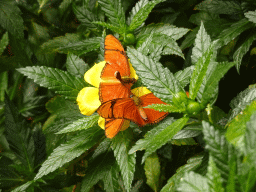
{"x": 133, "y": 72}
{"x": 88, "y": 100}
{"x": 140, "y": 91}
{"x": 92, "y": 76}
{"x": 101, "y": 122}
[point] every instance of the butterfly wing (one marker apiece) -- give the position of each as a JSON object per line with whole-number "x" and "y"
{"x": 113, "y": 126}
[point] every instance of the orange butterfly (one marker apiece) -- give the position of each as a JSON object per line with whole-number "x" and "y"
{"x": 118, "y": 102}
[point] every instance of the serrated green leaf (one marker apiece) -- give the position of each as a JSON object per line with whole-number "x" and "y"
{"x": 142, "y": 143}
{"x": 221, "y": 151}
{"x": 109, "y": 26}
{"x": 158, "y": 79}
{"x": 183, "y": 76}
{"x": 242, "y": 50}
{"x": 167, "y": 29}
{"x": 64, "y": 6}
{"x": 201, "y": 45}
{"x": 251, "y": 16}
{"x": 10, "y": 18}
{"x": 187, "y": 141}
{"x": 23, "y": 187}
{"x": 231, "y": 184}
{"x": 164, "y": 136}
{"x": 193, "y": 182}
{"x": 70, "y": 150}
{"x": 236, "y": 127}
{"x": 182, "y": 134}
{"x": 4, "y": 42}
{"x": 138, "y": 19}
{"x": 80, "y": 124}
{"x": 3, "y": 84}
{"x": 213, "y": 81}
{"x": 189, "y": 39}
{"x": 172, "y": 47}
{"x": 114, "y": 11}
{"x": 250, "y": 136}
{"x": 199, "y": 73}
{"x": 243, "y": 99}
{"x": 60, "y": 81}
{"x": 167, "y": 108}
{"x": 97, "y": 170}
{"x": 192, "y": 164}
{"x": 19, "y": 135}
{"x": 111, "y": 180}
{"x": 233, "y": 31}
{"x": 214, "y": 177}
{"x": 121, "y": 144}
{"x": 76, "y": 66}
{"x": 152, "y": 171}
{"x": 220, "y": 7}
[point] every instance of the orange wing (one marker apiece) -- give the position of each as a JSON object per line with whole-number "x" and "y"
{"x": 113, "y": 126}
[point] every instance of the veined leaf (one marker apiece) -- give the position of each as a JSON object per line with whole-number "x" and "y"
{"x": 202, "y": 43}
{"x": 113, "y": 28}
{"x": 236, "y": 127}
{"x": 167, "y": 29}
{"x": 158, "y": 79}
{"x": 182, "y": 134}
{"x": 76, "y": 66}
{"x": 97, "y": 170}
{"x": 80, "y": 124}
{"x": 187, "y": 141}
{"x": 243, "y": 99}
{"x": 199, "y": 73}
{"x": 10, "y": 18}
{"x": 189, "y": 39}
{"x": 233, "y": 31}
{"x": 251, "y": 16}
{"x": 19, "y": 136}
{"x": 72, "y": 149}
{"x": 138, "y": 19}
{"x": 221, "y": 151}
{"x": 64, "y": 5}
{"x": 213, "y": 81}
{"x": 152, "y": 171}
{"x": 4, "y": 42}
{"x": 121, "y": 145}
{"x": 192, "y": 164}
{"x": 193, "y": 182}
{"x": 242, "y": 50}
{"x": 220, "y": 7}
{"x": 250, "y": 136}
{"x": 183, "y": 76}
{"x": 167, "y": 108}
{"x": 23, "y": 187}
{"x": 139, "y": 5}
{"x": 114, "y": 11}
{"x": 214, "y": 177}
{"x": 3, "y": 84}
{"x": 111, "y": 179}
{"x": 60, "y": 81}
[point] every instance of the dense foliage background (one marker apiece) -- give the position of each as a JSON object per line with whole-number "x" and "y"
{"x": 207, "y": 49}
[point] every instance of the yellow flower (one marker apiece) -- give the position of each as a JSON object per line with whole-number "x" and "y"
{"x": 88, "y": 98}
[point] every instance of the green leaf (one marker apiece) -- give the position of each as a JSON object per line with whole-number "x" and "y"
{"x": 19, "y": 136}
{"x": 242, "y": 50}
{"x": 213, "y": 81}
{"x": 121, "y": 144}
{"x": 4, "y": 42}
{"x": 64, "y": 5}
{"x": 167, "y": 29}
{"x": 111, "y": 180}
{"x": 233, "y": 31}
{"x": 193, "y": 182}
{"x": 201, "y": 45}
{"x": 182, "y": 134}
{"x": 192, "y": 164}
{"x": 3, "y": 84}
{"x": 243, "y": 99}
{"x": 167, "y": 108}
{"x": 80, "y": 124}
{"x": 221, "y": 151}
{"x": 69, "y": 151}
{"x": 189, "y": 39}
{"x": 187, "y": 141}
{"x": 251, "y": 16}
{"x": 163, "y": 137}
{"x": 220, "y": 7}
{"x": 10, "y": 18}
{"x": 60, "y": 81}
{"x": 158, "y": 79}
{"x": 231, "y": 184}
{"x": 114, "y": 11}
{"x": 237, "y": 126}
{"x": 199, "y": 73}
{"x": 183, "y": 76}
{"x": 152, "y": 171}
{"x": 250, "y": 136}
{"x": 23, "y": 187}
{"x": 97, "y": 170}
{"x": 214, "y": 177}
{"x": 109, "y": 26}
{"x": 138, "y": 19}
{"x": 76, "y": 66}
